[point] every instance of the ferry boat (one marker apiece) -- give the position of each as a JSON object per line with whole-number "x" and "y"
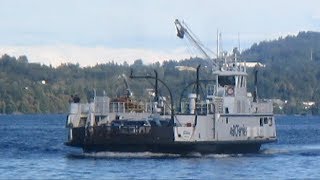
{"x": 228, "y": 119}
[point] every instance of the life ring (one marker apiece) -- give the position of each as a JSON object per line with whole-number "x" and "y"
{"x": 230, "y": 91}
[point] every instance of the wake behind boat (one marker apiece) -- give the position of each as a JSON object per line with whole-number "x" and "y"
{"x": 226, "y": 119}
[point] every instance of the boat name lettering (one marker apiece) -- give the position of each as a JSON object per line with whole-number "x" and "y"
{"x": 237, "y": 130}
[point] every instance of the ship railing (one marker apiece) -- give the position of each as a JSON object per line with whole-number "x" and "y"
{"x": 127, "y": 107}
{"x": 218, "y": 101}
{"x": 101, "y": 105}
{"x": 117, "y": 107}
{"x": 202, "y": 108}
{"x": 105, "y": 130}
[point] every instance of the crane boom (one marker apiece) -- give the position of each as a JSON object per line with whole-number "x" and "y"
{"x": 128, "y": 90}
{"x": 183, "y": 30}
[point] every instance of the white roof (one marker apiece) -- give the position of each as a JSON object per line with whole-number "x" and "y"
{"x": 251, "y": 64}
{"x": 230, "y": 73}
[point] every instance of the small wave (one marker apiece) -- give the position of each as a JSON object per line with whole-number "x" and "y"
{"x": 102, "y": 155}
{"x": 222, "y": 155}
{"x": 129, "y": 154}
{"x": 311, "y": 147}
{"x": 294, "y": 149}
{"x": 310, "y": 154}
{"x": 274, "y": 151}
{"x": 305, "y": 148}
{"x": 193, "y": 155}
{"x": 308, "y": 150}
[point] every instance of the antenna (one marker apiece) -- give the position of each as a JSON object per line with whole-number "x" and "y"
{"x": 239, "y": 42}
{"x": 218, "y": 44}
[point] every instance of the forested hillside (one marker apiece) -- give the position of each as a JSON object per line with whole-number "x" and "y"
{"x": 34, "y": 88}
{"x": 292, "y": 69}
{"x": 292, "y": 73}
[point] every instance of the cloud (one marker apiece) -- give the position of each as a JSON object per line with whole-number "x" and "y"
{"x": 94, "y": 32}
{"x": 315, "y": 16}
{"x": 89, "y": 56}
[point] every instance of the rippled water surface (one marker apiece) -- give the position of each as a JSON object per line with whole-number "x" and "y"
{"x": 31, "y": 147}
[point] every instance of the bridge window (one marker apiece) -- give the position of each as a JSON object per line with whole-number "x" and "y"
{"x": 226, "y": 80}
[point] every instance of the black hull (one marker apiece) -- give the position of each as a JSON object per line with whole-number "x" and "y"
{"x": 178, "y": 148}
{"x": 159, "y": 140}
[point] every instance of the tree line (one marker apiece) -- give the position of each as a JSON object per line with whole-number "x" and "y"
{"x": 291, "y": 74}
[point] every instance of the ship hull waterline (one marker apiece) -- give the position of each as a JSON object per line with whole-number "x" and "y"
{"x": 177, "y": 148}
{"x": 125, "y": 143}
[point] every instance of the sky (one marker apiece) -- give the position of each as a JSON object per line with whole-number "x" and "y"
{"x": 99, "y": 31}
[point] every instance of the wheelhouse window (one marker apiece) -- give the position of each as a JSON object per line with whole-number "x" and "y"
{"x": 226, "y": 80}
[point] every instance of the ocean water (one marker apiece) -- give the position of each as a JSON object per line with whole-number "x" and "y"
{"x": 31, "y": 147}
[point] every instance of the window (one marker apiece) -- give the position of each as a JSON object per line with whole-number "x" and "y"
{"x": 261, "y": 121}
{"x": 270, "y": 121}
{"x": 226, "y": 80}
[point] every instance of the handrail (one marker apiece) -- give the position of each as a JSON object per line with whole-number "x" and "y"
{"x": 157, "y": 79}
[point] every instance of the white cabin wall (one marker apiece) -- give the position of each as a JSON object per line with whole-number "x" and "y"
{"x": 204, "y": 128}
{"x": 229, "y": 102}
{"x": 235, "y": 105}
{"x": 77, "y": 110}
{"x": 203, "y": 131}
{"x": 262, "y": 107}
{"x": 246, "y": 127}
{"x": 243, "y": 105}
